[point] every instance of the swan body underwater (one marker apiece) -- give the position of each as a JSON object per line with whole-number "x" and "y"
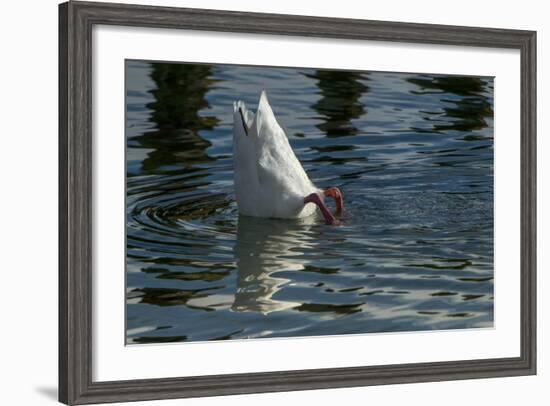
{"x": 269, "y": 179}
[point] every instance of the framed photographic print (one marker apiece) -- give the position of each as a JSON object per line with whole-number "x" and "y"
{"x": 259, "y": 202}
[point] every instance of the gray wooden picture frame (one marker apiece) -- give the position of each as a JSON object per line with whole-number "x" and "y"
{"x": 76, "y": 20}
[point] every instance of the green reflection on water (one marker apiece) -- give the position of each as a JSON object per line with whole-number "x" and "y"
{"x": 179, "y": 98}
{"x": 469, "y": 112}
{"x": 339, "y": 104}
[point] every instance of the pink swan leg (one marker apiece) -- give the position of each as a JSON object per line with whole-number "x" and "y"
{"x": 316, "y": 199}
{"x": 335, "y": 193}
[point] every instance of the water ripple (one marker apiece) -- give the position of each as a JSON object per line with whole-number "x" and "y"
{"x": 413, "y": 155}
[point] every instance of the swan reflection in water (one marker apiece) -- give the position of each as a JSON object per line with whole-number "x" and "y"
{"x": 265, "y": 247}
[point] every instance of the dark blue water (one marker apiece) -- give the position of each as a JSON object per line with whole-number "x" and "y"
{"x": 412, "y": 154}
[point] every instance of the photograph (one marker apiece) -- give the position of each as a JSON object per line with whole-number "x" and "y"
{"x": 278, "y": 202}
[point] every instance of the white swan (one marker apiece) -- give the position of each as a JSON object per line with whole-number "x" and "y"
{"x": 269, "y": 179}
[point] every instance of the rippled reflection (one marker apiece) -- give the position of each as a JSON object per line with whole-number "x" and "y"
{"x": 339, "y": 103}
{"x": 179, "y": 95}
{"x": 265, "y": 247}
{"x": 467, "y": 113}
{"x": 412, "y": 153}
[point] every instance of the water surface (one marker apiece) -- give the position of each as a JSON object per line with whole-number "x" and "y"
{"x": 412, "y": 154}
